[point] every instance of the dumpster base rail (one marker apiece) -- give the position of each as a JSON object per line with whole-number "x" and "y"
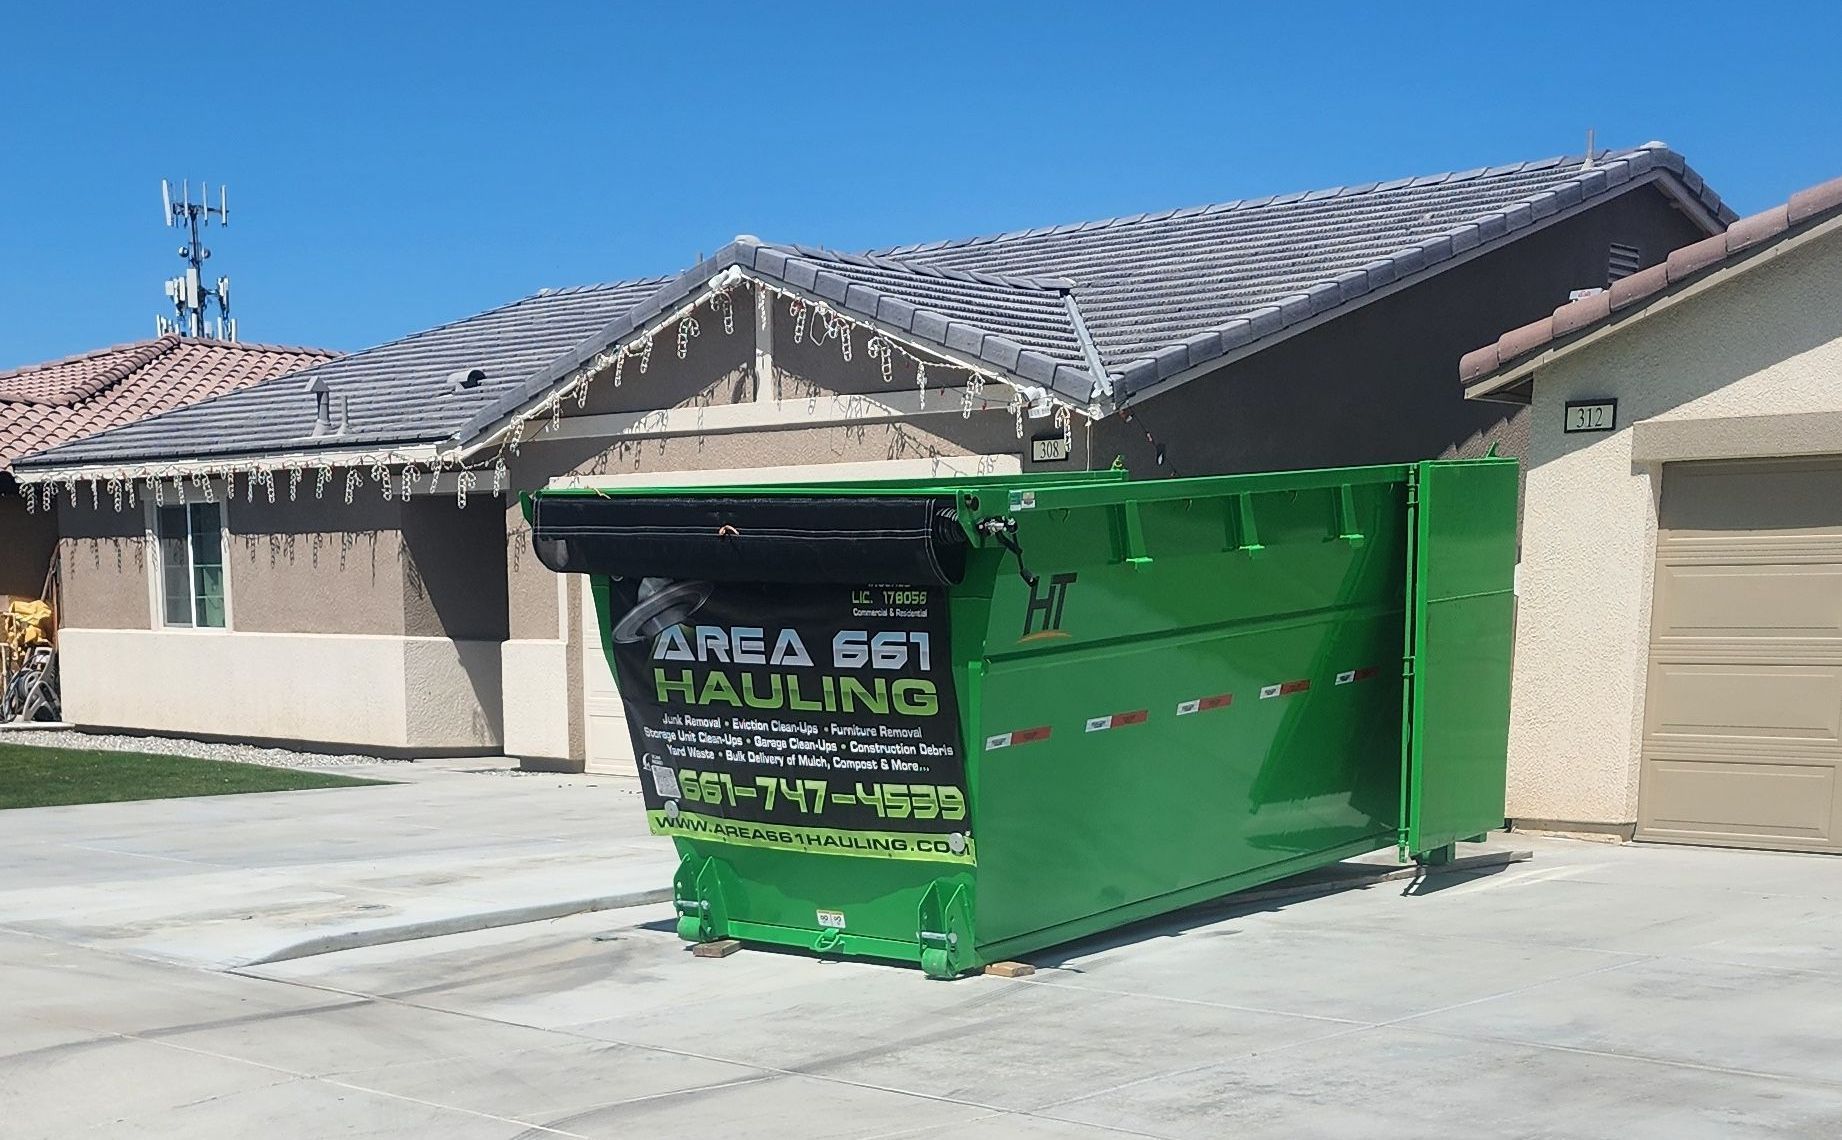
{"x": 943, "y": 946}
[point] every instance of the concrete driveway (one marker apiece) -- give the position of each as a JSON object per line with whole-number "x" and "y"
{"x": 222, "y": 881}
{"x": 1594, "y": 991}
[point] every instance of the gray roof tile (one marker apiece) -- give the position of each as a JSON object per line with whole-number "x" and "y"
{"x": 1158, "y": 293}
{"x": 398, "y": 392}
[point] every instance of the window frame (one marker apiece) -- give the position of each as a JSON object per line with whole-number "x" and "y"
{"x": 157, "y": 564}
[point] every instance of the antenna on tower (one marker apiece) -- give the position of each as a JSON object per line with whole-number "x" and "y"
{"x": 192, "y": 298}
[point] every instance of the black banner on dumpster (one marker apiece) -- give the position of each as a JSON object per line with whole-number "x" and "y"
{"x": 812, "y": 718}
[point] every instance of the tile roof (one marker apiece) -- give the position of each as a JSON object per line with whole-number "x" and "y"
{"x": 44, "y": 405}
{"x": 396, "y": 393}
{"x": 1145, "y": 297}
{"x": 1165, "y": 292}
{"x": 1743, "y": 238}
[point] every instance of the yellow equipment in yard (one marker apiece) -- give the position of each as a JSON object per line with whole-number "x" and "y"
{"x": 28, "y": 662}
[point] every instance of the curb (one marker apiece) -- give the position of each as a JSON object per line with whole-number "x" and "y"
{"x": 460, "y": 924}
{"x": 516, "y": 916}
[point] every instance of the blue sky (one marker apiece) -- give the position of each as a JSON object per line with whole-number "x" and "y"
{"x": 393, "y": 166}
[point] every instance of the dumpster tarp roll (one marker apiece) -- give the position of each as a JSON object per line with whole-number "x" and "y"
{"x": 893, "y": 539}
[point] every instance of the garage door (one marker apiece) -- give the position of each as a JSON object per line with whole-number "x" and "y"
{"x": 1743, "y": 709}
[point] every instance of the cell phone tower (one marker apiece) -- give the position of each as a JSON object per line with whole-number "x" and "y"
{"x": 192, "y": 298}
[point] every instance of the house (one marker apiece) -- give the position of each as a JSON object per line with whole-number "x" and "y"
{"x": 44, "y": 405}
{"x": 381, "y": 590}
{"x": 1679, "y": 638}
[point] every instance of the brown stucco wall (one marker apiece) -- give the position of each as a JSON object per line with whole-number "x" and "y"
{"x": 422, "y": 569}
{"x": 102, "y": 559}
{"x": 454, "y": 582}
{"x": 317, "y": 566}
{"x": 531, "y": 597}
{"x": 718, "y": 368}
{"x": 27, "y": 541}
{"x": 921, "y": 438}
{"x": 1380, "y": 384}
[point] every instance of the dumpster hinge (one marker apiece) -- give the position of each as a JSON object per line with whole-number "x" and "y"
{"x": 944, "y": 929}
{"x": 1004, "y": 530}
{"x": 697, "y": 896}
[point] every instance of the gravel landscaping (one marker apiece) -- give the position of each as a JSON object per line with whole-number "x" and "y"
{"x": 203, "y": 750}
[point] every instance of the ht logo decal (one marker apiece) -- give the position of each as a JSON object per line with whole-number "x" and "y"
{"x": 1043, "y": 616}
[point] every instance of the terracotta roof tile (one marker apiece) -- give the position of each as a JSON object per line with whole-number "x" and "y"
{"x": 1817, "y": 204}
{"x": 1695, "y": 257}
{"x": 1758, "y": 227}
{"x": 1806, "y": 204}
{"x": 44, "y": 405}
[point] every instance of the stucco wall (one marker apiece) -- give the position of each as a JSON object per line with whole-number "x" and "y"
{"x": 1765, "y": 343}
{"x": 375, "y": 625}
{"x": 454, "y": 582}
{"x": 421, "y": 569}
{"x": 1379, "y": 384}
{"x": 103, "y": 558}
{"x": 316, "y": 566}
{"x": 718, "y": 368}
{"x": 414, "y": 694}
{"x": 27, "y": 541}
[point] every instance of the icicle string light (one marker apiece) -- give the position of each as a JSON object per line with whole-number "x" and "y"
{"x": 814, "y": 321}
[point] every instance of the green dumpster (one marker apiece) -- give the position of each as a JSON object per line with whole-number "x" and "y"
{"x": 950, "y": 722}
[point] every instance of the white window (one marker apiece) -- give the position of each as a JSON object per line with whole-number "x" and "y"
{"x": 191, "y": 542}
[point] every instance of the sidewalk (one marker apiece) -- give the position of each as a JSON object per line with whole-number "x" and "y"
{"x": 225, "y": 881}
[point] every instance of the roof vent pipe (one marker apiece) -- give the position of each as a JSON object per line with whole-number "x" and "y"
{"x": 345, "y": 414}
{"x": 322, "y": 405}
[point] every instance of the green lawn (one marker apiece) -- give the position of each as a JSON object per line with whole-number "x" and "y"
{"x": 41, "y": 777}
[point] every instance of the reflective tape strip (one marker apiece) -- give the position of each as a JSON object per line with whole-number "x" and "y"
{"x": 1204, "y": 704}
{"x": 1283, "y": 689}
{"x": 1118, "y": 720}
{"x": 1021, "y": 736}
{"x": 1348, "y": 676}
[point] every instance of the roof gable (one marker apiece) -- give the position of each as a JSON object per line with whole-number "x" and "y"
{"x": 1493, "y": 368}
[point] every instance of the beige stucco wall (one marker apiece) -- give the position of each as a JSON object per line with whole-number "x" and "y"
{"x": 1766, "y": 343}
{"x": 396, "y": 693}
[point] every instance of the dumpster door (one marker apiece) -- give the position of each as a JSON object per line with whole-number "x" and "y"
{"x": 1460, "y": 616}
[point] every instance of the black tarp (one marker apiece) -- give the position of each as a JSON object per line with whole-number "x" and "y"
{"x": 913, "y": 539}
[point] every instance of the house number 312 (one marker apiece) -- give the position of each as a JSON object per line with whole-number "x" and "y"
{"x": 1591, "y": 415}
